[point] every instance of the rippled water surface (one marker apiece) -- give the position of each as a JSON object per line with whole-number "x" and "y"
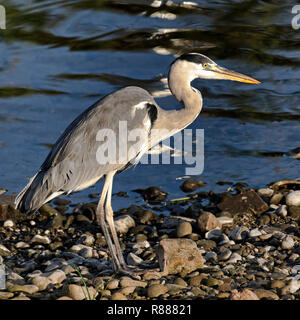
{"x": 58, "y": 57}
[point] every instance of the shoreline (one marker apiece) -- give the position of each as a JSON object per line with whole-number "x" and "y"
{"x": 242, "y": 244}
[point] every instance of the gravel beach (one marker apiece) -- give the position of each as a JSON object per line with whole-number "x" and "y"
{"x": 242, "y": 244}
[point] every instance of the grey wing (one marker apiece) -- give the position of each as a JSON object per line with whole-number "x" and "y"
{"x": 77, "y": 159}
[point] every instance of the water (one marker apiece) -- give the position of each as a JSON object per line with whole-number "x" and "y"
{"x": 58, "y": 57}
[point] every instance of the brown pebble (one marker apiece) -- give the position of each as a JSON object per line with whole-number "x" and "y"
{"x": 207, "y": 221}
{"x": 156, "y": 290}
{"x": 118, "y": 296}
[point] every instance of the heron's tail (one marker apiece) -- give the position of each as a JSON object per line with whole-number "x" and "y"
{"x": 34, "y": 195}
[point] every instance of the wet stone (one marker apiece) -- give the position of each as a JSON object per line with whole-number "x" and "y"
{"x": 247, "y": 201}
{"x": 153, "y": 195}
{"x": 191, "y": 185}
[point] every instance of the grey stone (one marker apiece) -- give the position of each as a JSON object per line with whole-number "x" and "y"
{"x": 124, "y": 223}
{"x": 287, "y": 243}
{"x": 293, "y": 198}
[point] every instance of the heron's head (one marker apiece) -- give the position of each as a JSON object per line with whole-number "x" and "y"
{"x": 199, "y": 66}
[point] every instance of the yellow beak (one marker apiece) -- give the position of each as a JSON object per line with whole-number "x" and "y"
{"x": 226, "y": 74}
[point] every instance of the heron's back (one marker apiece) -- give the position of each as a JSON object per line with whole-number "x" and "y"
{"x": 73, "y": 163}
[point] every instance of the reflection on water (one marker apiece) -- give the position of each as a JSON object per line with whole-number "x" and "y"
{"x": 58, "y": 57}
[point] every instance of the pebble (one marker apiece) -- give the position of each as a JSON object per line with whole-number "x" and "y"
{"x": 282, "y": 211}
{"x": 128, "y": 282}
{"x": 287, "y": 243}
{"x": 40, "y": 239}
{"x": 267, "y": 192}
{"x": 224, "y": 254}
{"x": 82, "y": 250}
{"x": 293, "y": 198}
{"x": 133, "y": 260}
{"x": 184, "y": 229}
{"x": 28, "y": 288}
{"x": 123, "y": 224}
{"x": 208, "y": 221}
{"x": 181, "y": 282}
{"x": 254, "y": 233}
{"x": 294, "y": 212}
{"x": 57, "y": 276}
{"x": 277, "y": 284}
{"x": 127, "y": 290}
{"x": 235, "y": 257}
{"x": 156, "y": 290}
{"x": 276, "y": 198}
{"x": 239, "y": 233}
{"x": 191, "y": 185}
{"x": 41, "y": 282}
{"x": 225, "y": 220}
{"x": 245, "y": 294}
{"x": 211, "y": 256}
{"x": 78, "y": 292}
{"x": 4, "y": 295}
{"x": 113, "y": 284}
{"x": 213, "y": 234}
{"x": 118, "y": 296}
{"x": 212, "y": 282}
{"x": 266, "y": 294}
{"x": 22, "y": 245}
{"x": 8, "y": 224}
{"x": 88, "y": 240}
{"x": 64, "y": 298}
{"x": 4, "y": 251}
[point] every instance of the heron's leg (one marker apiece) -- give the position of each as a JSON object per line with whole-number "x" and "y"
{"x": 110, "y": 220}
{"x": 100, "y": 216}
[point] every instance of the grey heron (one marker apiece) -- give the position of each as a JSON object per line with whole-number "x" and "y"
{"x": 72, "y": 164}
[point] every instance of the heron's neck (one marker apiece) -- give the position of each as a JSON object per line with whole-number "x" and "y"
{"x": 180, "y": 86}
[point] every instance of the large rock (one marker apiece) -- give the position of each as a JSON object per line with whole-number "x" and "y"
{"x": 179, "y": 256}
{"x": 246, "y": 202}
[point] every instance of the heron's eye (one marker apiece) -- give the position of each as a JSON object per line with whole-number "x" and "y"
{"x": 204, "y": 65}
